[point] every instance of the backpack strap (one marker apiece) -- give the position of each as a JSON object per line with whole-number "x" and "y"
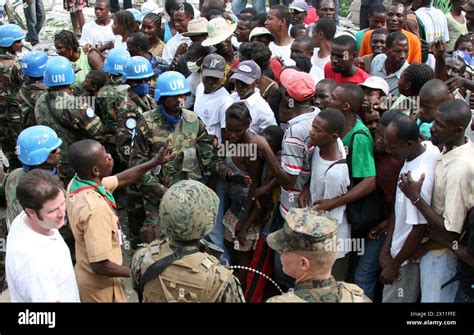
{"x": 341, "y": 161}
{"x": 157, "y": 268}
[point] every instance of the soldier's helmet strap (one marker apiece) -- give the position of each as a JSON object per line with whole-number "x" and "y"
{"x": 157, "y": 268}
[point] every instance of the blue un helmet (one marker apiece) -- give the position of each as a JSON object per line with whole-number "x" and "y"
{"x": 35, "y": 144}
{"x": 138, "y": 67}
{"x": 171, "y": 83}
{"x": 58, "y": 72}
{"x": 116, "y": 60}
{"x": 9, "y": 34}
{"x": 33, "y": 63}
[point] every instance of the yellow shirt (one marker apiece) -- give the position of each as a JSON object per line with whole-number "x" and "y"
{"x": 95, "y": 227}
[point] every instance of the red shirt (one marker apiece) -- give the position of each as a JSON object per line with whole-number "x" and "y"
{"x": 358, "y": 78}
{"x": 311, "y": 17}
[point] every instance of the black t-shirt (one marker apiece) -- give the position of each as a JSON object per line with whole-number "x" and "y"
{"x": 468, "y": 240}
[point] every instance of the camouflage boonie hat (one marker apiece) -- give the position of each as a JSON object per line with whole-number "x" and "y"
{"x": 188, "y": 210}
{"x": 304, "y": 229}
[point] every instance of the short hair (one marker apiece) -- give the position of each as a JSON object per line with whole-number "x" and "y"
{"x": 318, "y": 7}
{"x": 239, "y": 111}
{"x": 388, "y": 117}
{"x": 188, "y": 9}
{"x": 336, "y": 122}
{"x": 249, "y": 10}
{"x": 380, "y": 31}
{"x": 139, "y": 40}
{"x": 395, "y": 36}
{"x": 258, "y": 52}
{"x": 99, "y": 78}
{"x": 276, "y": 134}
{"x": 406, "y": 128}
{"x": 417, "y": 75}
{"x": 346, "y": 41}
{"x": 458, "y": 110}
{"x": 170, "y": 5}
{"x": 295, "y": 28}
{"x": 462, "y": 39}
{"x": 68, "y": 38}
{"x": 106, "y": 2}
{"x": 154, "y": 18}
{"x": 199, "y": 49}
{"x": 327, "y": 81}
{"x": 304, "y": 40}
{"x": 259, "y": 20}
{"x": 377, "y": 9}
{"x": 303, "y": 63}
{"x": 214, "y": 13}
{"x": 37, "y": 187}
{"x": 355, "y": 95}
{"x": 436, "y": 89}
{"x": 327, "y": 27}
{"x": 82, "y": 156}
{"x": 126, "y": 20}
{"x": 283, "y": 13}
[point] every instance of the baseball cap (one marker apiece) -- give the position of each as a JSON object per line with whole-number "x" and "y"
{"x": 304, "y": 229}
{"x": 150, "y": 7}
{"x": 137, "y": 15}
{"x": 196, "y": 26}
{"x": 469, "y": 7}
{"x": 259, "y": 31}
{"x": 376, "y": 83}
{"x": 299, "y": 85}
{"x": 213, "y": 65}
{"x": 299, "y": 6}
{"x": 247, "y": 71}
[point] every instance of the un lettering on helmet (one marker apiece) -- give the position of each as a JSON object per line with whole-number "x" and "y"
{"x": 140, "y": 68}
{"x": 58, "y": 78}
{"x": 176, "y": 85}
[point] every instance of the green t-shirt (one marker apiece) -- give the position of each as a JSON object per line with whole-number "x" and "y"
{"x": 363, "y": 164}
{"x": 359, "y": 35}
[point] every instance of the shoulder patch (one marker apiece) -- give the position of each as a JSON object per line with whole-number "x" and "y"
{"x": 189, "y": 116}
{"x": 90, "y": 112}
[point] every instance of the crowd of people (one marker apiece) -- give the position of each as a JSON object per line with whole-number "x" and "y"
{"x": 257, "y": 153}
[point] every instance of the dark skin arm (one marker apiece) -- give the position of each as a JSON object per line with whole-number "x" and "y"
{"x": 95, "y": 60}
{"x": 110, "y": 269}
{"x": 282, "y": 177}
{"x": 264, "y": 190}
{"x": 385, "y": 256}
{"x": 133, "y": 174}
{"x": 362, "y": 189}
{"x": 391, "y": 270}
{"x": 439, "y": 51}
{"x": 412, "y": 190}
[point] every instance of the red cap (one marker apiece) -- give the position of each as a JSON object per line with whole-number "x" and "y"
{"x": 299, "y": 85}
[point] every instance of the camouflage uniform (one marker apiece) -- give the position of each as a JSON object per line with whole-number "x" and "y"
{"x": 196, "y": 154}
{"x": 188, "y": 212}
{"x": 26, "y": 98}
{"x": 309, "y": 229}
{"x": 70, "y": 123}
{"x": 10, "y": 82}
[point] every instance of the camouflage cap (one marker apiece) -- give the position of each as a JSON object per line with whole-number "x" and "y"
{"x": 188, "y": 210}
{"x": 304, "y": 229}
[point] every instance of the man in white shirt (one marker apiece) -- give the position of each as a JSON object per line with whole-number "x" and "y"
{"x": 330, "y": 178}
{"x": 212, "y": 99}
{"x": 278, "y": 21}
{"x": 99, "y": 32}
{"x": 407, "y": 226}
{"x": 323, "y": 33}
{"x": 246, "y": 77}
{"x": 178, "y": 44}
{"x": 38, "y": 263}
{"x": 434, "y": 22}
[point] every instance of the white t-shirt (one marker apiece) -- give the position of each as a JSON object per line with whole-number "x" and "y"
{"x": 194, "y": 80}
{"x": 38, "y": 267}
{"x": 435, "y": 22}
{"x": 92, "y": 33}
{"x": 319, "y": 62}
{"x": 330, "y": 184}
{"x": 172, "y": 45}
{"x": 317, "y": 74}
{"x": 283, "y": 51}
{"x": 260, "y": 111}
{"x": 406, "y": 214}
{"x": 211, "y": 109}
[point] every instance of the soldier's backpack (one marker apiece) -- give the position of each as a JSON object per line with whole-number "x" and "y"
{"x": 189, "y": 277}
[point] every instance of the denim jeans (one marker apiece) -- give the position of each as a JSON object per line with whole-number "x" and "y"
{"x": 35, "y": 16}
{"x": 462, "y": 297}
{"x": 277, "y": 2}
{"x": 115, "y": 6}
{"x": 367, "y": 270}
{"x": 216, "y": 236}
{"x": 258, "y": 5}
{"x": 434, "y": 272}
